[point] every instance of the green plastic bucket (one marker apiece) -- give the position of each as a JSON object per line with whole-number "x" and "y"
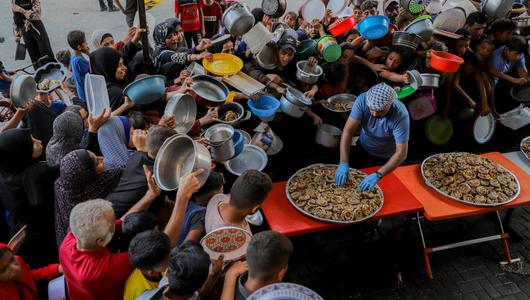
{"x": 328, "y": 48}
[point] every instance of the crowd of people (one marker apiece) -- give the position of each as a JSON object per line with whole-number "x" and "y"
{"x": 82, "y": 185}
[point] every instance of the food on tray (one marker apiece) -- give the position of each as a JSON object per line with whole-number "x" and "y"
{"x": 340, "y": 106}
{"x": 525, "y": 146}
{"x": 314, "y": 190}
{"x": 229, "y": 116}
{"x": 470, "y": 178}
{"x": 46, "y": 84}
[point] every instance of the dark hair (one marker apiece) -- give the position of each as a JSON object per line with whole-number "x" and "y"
{"x": 188, "y": 268}
{"x": 250, "y": 189}
{"x": 472, "y": 59}
{"x": 517, "y": 43}
{"x": 137, "y": 120}
{"x": 149, "y": 249}
{"x": 486, "y": 41}
{"x": 369, "y": 4}
{"x": 73, "y": 108}
{"x": 344, "y": 36}
{"x": 77, "y": 101}
{"x": 63, "y": 57}
{"x": 476, "y": 17}
{"x": 213, "y": 183}
{"x": 75, "y": 39}
{"x": 258, "y": 14}
{"x": 501, "y": 25}
{"x": 347, "y": 46}
{"x": 267, "y": 253}
{"x": 333, "y": 72}
{"x": 156, "y": 136}
{"x": 137, "y": 222}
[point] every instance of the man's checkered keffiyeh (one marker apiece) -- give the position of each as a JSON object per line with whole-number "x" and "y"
{"x": 380, "y": 97}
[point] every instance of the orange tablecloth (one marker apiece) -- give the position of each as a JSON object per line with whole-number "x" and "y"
{"x": 438, "y": 207}
{"x": 283, "y": 217}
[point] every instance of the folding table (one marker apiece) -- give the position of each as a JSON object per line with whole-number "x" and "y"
{"x": 437, "y": 207}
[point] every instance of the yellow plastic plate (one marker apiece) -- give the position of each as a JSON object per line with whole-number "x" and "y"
{"x": 151, "y": 3}
{"x": 223, "y": 64}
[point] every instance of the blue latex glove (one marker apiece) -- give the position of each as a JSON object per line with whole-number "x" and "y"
{"x": 341, "y": 175}
{"x": 368, "y": 182}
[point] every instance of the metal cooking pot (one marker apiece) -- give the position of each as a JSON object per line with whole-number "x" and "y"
{"x": 208, "y": 90}
{"x": 184, "y": 108}
{"x": 328, "y": 136}
{"x": 430, "y": 81}
{"x": 179, "y": 156}
{"x": 237, "y": 19}
{"x": 274, "y": 8}
{"x": 242, "y": 115}
{"x": 306, "y": 74}
{"x": 497, "y": 8}
{"x": 422, "y": 27}
{"x": 296, "y": 97}
{"x": 267, "y": 57}
{"x": 219, "y": 137}
{"x": 407, "y": 40}
{"x": 23, "y": 89}
{"x": 292, "y": 109}
{"x": 415, "y": 79}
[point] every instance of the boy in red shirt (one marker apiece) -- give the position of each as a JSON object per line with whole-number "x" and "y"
{"x": 212, "y": 17}
{"x": 191, "y": 15}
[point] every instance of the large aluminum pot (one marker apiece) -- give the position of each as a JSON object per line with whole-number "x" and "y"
{"x": 219, "y": 137}
{"x": 23, "y": 89}
{"x": 208, "y": 90}
{"x": 267, "y": 57}
{"x": 430, "y": 81}
{"x": 184, "y": 108}
{"x": 242, "y": 115}
{"x": 237, "y": 19}
{"x": 306, "y": 74}
{"x": 179, "y": 156}
{"x": 328, "y": 136}
{"x": 497, "y": 8}
{"x": 274, "y": 8}
{"x": 292, "y": 109}
{"x": 407, "y": 40}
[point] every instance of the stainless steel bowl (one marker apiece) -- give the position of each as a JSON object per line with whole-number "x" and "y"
{"x": 179, "y": 156}
{"x": 252, "y": 158}
{"x": 328, "y": 136}
{"x": 306, "y": 74}
{"x": 209, "y": 90}
{"x": 415, "y": 79}
{"x": 23, "y": 89}
{"x": 184, "y": 108}
{"x": 237, "y": 19}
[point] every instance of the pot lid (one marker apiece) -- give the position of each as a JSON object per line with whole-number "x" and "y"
{"x": 484, "y": 128}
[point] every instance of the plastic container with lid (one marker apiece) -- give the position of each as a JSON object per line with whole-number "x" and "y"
{"x": 97, "y": 96}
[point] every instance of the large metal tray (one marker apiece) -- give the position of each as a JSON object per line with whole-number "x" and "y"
{"x": 428, "y": 183}
{"x": 521, "y": 147}
{"x": 328, "y": 220}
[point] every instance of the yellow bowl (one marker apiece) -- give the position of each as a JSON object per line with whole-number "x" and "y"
{"x": 151, "y": 3}
{"x": 223, "y": 64}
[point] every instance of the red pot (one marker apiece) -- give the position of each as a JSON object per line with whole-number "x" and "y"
{"x": 445, "y": 62}
{"x": 343, "y": 26}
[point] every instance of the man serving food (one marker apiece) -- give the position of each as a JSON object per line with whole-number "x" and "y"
{"x": 384, "y": 124}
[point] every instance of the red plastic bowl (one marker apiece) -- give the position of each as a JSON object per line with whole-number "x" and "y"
{"x": 343, "y": 26}
{"x": 445, "y": 62}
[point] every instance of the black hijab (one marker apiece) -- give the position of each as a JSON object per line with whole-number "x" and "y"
{"x": 104, "y": 61}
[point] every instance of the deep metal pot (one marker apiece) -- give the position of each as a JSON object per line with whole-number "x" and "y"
{"x": 430, "y": 81}
{"x": 306, "y": 74}
{"x": 243, "y": 114}
{"x": 274, "y": 8}
{"x": 208, "y": 90}
{"x": 23, "y": 89}
{"x": 184, "y": 108}
{"x": 328, "y": 136}
{"x": 497, "y": 8}
{"x": 291, "y": 109}
{"x": 179, "y": 156}
{"x": 219, "y": 137}
{"x": 267, "y": 57}
{"x": 237, "y": 19}
{"x": 407, "y": 40}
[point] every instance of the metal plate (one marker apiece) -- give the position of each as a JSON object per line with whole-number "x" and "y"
{"x": 484, "y": 128}
{"x": 230, "y": 241}
{"x": 252, "y": 158}
{"x": 342, "y": 98}
{"x": 522, "y": 150}
{"x": 429, "y": 184}
{"x": 328, "y": 220}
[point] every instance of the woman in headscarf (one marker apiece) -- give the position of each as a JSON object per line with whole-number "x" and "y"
{"x": 67, "y": 135}
{"x": 128, "y": 48}
{"x": 83, "y": 177}
{"x": 26, "y": 192}
{"x": 169, "y": 59}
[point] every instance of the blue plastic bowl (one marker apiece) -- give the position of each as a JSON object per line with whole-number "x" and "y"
{"x": 146, "y": 90}
{"x": 239, "y": 142}
{"x": 264, "y": 108}
{"x": 374, "y": 27}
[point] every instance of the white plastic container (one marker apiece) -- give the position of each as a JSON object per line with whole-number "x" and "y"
{"x": 97, "y": 96}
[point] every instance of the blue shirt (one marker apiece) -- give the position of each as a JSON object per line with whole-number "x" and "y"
{"x": 4, "y": 85}
{"x": 503, "y": 65}
{"x": 57, "y": 106}
{"x": 379, "y": 136}
{"x": 80, "y": 68}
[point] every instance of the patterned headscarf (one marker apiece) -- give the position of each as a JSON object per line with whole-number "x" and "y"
{"x": 160, "y": 33}
{"x": 79, "y": 182}
{"x": 380, "y": 97}
{"x": 113, "y": 141}
{"x": 67, "y": 134}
